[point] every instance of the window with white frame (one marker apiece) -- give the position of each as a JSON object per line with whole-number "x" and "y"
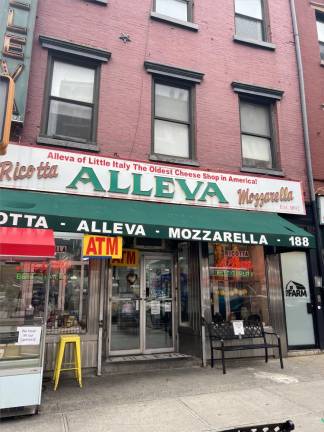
{"x": 249, "y": 19}
{"x": 178, "y": 9}
{"x": 256, "y": 134}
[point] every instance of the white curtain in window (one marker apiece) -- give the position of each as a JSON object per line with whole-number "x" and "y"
{"x": 320, "y": 30}
{"x": 171, "y": 102}
{"x": 256, "y": 148}
{"x": 72, "y": 82}
{"x": 171, "y": 138}
{"x": 173, "y": 8}
{"x": 252, "y": 8}
{"x": 255, "y": 118}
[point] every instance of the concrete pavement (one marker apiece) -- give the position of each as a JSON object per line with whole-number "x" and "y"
{"x": 186, "y": 400}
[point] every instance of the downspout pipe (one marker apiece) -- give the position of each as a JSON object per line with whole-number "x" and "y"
{"x": 318, "y": 300}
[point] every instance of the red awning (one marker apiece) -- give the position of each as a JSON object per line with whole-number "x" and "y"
{"x": 27, "y": 242}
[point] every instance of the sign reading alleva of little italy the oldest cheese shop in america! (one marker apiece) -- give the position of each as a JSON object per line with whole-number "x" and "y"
{"x": 79, "y": 174}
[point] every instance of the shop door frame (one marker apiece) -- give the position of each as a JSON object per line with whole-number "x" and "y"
{"x": 311, "y": 297}
{"x": 141, "y": 350}
{"x": 144, "y": 258}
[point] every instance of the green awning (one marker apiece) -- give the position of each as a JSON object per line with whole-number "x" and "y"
{"x": 72, "y": 213}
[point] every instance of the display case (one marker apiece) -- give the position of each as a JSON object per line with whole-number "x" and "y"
{"x": 23, "y": 287}
{"x": 21, "y": 365}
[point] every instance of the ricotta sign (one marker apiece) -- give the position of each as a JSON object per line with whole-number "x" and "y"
{"x": 40, "y": 169}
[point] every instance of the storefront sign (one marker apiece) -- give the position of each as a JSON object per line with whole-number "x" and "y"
{"x": 17, "y": 22}
{"x": 130, "y": 258}
{"x": 68, "y": 224}
{"x": 73, "y": 173}
{"x": 295, "y": 289}
{"x": 100, "y": 246}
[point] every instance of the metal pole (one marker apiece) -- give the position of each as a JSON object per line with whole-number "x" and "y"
{"x": 101, "y": 312}
{"x": 46, "y": 300}
{"x": 308, "y": 157}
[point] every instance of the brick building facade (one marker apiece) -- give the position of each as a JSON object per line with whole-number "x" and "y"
{"x": 199, "y": 95}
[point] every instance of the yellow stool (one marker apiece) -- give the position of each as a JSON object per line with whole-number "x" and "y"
{"x": 66, "y": 339}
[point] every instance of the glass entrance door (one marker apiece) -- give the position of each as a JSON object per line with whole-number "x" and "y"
{"x": 125, "y": 311}
{"x": 141, "y": 307}
{"x": 158, "y": 304}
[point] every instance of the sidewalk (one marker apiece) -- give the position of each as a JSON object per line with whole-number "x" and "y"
{"x": 186, "y": 400}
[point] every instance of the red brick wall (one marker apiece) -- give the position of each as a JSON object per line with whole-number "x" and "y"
{"x": 314, "y": 86}
{"x": 125, "y": 92}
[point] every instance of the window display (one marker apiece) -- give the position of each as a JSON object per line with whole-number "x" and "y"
{"x": 237, "y": 282}
{"x": 21, "y": 317}
{"x": 68, "y": 295}
{"x": 22, "y": 290}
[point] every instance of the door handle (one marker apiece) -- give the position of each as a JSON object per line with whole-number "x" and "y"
{"x": 309, "y": 308}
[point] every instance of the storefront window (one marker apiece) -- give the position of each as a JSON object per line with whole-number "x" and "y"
{"x": 20, "y": 309}
{"x": 237, "y": 282}
{"x": 22, "y": 291}
{"x": 68, "y": 295}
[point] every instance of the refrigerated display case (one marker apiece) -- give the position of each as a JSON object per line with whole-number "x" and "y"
{"x": 24, "y": 292}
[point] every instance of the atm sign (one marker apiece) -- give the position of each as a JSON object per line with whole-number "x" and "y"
{"x": 130, "y": 258}
{"x": 101, "y": 246}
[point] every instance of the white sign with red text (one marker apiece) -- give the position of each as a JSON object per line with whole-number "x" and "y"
{"x": 41, "y": 169}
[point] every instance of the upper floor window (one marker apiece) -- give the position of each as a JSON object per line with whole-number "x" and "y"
{"x": 71, "y": 102}
{"x": 173, "y": 125}
{"x": 172, "y": 120}
{"x": 71, "y": 99}
{"x": 249, "y": 19}
{"x": 259, "y": 147}
{"x": 178, "y": 9}
{"x": 256, "y": 135}
{"x": 320, "y": 33}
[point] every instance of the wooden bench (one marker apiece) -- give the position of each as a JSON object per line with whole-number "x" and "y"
{"x": 275, "y": 427}
{"x": 221, "y": 333}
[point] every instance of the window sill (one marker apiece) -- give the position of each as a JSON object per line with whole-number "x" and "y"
{"x": 173, "y": 160}
{"x": 255, "y": 43}
{"x": 67, "y": 144}
{"x": 169, "y": 20}
{"x": 271, "y": 172}
{"x": 100, "y": 2}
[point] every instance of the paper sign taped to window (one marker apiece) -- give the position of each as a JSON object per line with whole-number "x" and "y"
{"x": 238, "y": 327}
{"x": 29, "y": 335}
{"x": 155, "y": 307}
{"x": 167, "y": 306}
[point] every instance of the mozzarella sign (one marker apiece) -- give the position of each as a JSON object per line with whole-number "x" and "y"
{"x": 101, "y": 246}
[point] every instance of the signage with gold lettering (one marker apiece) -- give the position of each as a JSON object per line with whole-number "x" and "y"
{"x": 101, "y": 246}
{"x": 17, "y": 23}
